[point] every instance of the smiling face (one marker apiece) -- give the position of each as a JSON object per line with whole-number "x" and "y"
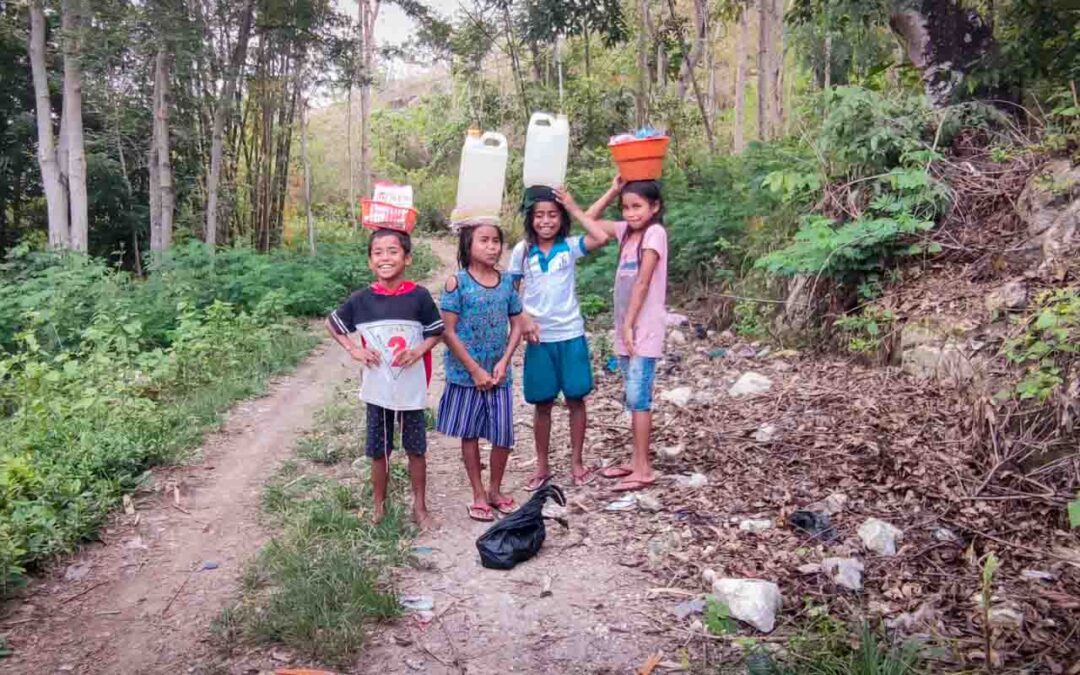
{"x": 547, "y": 221}
{"x": 637, "y": 211}
{"x": 388, "y": 257}
{"x": 486, "y": 246}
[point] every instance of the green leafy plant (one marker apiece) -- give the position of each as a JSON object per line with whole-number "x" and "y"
{"x": 718, "y": 619}
{"x": 866, "y": 332}
{"x": 1049, "y": 336}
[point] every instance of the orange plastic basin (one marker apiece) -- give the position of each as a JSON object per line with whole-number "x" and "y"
{"x": 641, "y": 159}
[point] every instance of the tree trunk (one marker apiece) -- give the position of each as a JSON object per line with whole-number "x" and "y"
{"x": 307, "y": 176}
{"x": 693, "y": 79}
{"x": 944, "y": 40}
{"x": 222, "y": 109}
{"x": 828, "y": 62}
{"x": 352, "y": 160}
{"x": 763, "y": 71}
{"x": 661, "y": 68}
{"x": 370, "y": 14}
{"x": 642, "y": 111}
{"x": 55, "y": 194}
{"x": 161, "y": 236}
{"x": 153, "y": 168}
{"x": 776, "y": 69}
{"x": 691, "y": 53}
{"x": 742, "y": 38}
{"x": 72, "y": 22}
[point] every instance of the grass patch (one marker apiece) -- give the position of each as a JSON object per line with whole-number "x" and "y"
{"x": 827, "y": 647}
{"x": 322, "y": 581}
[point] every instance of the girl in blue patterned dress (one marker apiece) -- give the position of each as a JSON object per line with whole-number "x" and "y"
{"x": 481, "y": 313}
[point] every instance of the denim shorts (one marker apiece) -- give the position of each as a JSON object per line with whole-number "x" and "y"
{"x": 639, "y": 373}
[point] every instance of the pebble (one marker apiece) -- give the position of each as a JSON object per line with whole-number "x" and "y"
{"x": 753, "y": 601}
{"x": 680, "y": 396}
{"x": 765, "y": 433}
{"x": 879, "y": 536}
{"x": 756, "y": 525}
{"x": 750, "y": 384}
{"x": 846, "y": 572}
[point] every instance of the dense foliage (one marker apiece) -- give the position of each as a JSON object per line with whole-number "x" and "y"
{"x": 103, "y": 375}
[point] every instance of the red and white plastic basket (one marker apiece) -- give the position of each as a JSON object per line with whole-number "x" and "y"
{"x": 383, "y": 216}
{"x": 390, "y": 209}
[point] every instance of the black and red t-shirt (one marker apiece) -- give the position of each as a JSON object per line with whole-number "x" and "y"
{"x": 391, "y": 321}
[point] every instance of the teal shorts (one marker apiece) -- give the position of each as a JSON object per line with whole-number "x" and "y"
{"x": 553, "y": 367}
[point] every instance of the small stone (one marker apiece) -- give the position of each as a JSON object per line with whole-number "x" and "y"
{"x": 752, "y": 601}
{"x": 809, "y": 568}
{"x": 879, "y": 536}
{"x": 846, "y": 572}
{"x": 756, "y": 525}
{"x": 693, "y": 481}
{"x": 832, "y": 505}
{"x": 209, "y": 565}
{"x": 647, "y": 502}
{"x": 677, "y": 337}
{"x": 1037, "y": 575}
{"x": 1011, "y": 297}
{"x": 764, "y": 352}
{"x": 946, "y": 535}
{"x": 750, "y": 384}
{"x": 672, "y": 451}
{"x": 680, "y": 396}
{"x": 77, "y": 572}
{"x": 1006, "y": 617}
{"x": 765, "y": 433}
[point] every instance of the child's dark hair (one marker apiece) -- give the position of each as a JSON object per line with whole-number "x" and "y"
{"x": 403, "y": 239}
{"x": 564, "y": 220}
{"x": 649, "y": 190}
{"x": 465, "y": 237}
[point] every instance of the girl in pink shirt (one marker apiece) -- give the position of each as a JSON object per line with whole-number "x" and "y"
{"x": 640, "y": 314}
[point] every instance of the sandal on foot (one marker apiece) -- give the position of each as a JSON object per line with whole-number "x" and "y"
{"x": 505, "y": 506}
{"x": 480, "y": 512}
{"x": 537, "y": 482}
{"x": 584, "y": 478}
{"x": 616, "y": 471}
{"x": 632, "y": 485}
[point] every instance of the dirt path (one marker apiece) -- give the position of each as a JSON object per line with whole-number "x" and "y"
{"x": 144, "y": 600}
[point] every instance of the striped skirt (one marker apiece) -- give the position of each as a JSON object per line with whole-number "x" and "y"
{"x": 466, "y": 412}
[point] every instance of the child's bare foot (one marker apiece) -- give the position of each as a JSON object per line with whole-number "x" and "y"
{"x": 502, "y": 503}
{"x": 422, "y": 518}
{"x": 635, "y": 481}
{"x": 378, "y": 513}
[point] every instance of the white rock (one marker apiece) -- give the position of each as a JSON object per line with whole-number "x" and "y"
{"x": 680, "y": 396}
{"x": 649, "y": 503}
{"x": 753, "y": 601}
{"x": 832, "y": 505}
{"x": 946, "y": 535}
{"x": 1006, "y": 617}
{"x": 1037, "y": 575}
{"x": 750, "y": 384}
{"x": 756, "y": 525}
{"x": 846, "y": 572}
{"x": 693, "y": 481}
{"x": 765, "y": 433}
{"x": 879, "y": 536}
{"x": 672, "y": 451}
{"x": 709, "y": 576}
{"x": 677, "y": 337}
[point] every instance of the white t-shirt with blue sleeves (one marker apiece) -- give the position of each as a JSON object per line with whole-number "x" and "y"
{"x": 548, "y": 291}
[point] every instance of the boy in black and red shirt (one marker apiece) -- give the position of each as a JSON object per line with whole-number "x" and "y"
{"x": 399, "y": 325}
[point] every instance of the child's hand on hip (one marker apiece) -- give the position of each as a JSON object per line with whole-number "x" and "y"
{"x": 407, "y": 358}
{"x": 368, "y": 357}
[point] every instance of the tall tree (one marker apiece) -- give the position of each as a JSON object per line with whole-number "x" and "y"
{"x": 48, "y": 153}
{"x": 222, "y": 110}
{"x": 742, "y": 39}
{"x": 161, "y": 222}
{"x": 369, "y": 12}
{"x": 72, "y": 21}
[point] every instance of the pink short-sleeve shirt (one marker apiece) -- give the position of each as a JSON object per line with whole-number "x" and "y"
{"x": 651, "y": 324}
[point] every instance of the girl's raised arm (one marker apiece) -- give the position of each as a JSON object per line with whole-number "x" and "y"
{"x": 597, "y": 232}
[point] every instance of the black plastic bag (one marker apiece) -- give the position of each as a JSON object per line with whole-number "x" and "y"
{"x": 520, "y": 535}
